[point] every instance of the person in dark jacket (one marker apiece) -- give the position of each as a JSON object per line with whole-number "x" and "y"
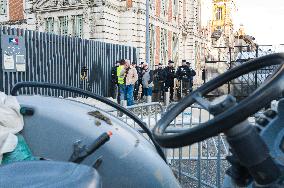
{"x": 139, "y": 81}
{"x": 203, "y": 75}
{"x": 169, "y": 75}
{"x": 192, "y": 74}
{"x": 158, "y": 81}
{"x": 183, "y": 75}
{"x": 114, "y": 82}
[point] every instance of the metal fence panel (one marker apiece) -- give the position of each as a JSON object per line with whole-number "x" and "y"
{"x": 59, "y": 59}
{"x": 199, "y": 165}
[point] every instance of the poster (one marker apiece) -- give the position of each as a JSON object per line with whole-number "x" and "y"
{"x": 13, "y": 53}
{"x": 9, "y": 63}
{"x": 20, "y": 63}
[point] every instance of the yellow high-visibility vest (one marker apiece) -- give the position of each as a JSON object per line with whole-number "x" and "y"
{"x": 120, "y": 79}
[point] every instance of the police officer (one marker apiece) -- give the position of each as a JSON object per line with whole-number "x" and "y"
{"x": 192, "y": 74}
{"x": 203, "y": 75}
{"x": 169, "y": 75}
{"x": 159, "y": 81}
{"x": 139, "y": 81}
{"x": 183, "y": 75}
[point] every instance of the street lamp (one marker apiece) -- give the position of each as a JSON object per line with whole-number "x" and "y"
{"x": 148, "y": 34}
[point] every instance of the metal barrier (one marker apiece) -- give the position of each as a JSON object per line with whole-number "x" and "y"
{"x": 150, "y": 113}
{"x": 62, "y": 60}
{"x": 202, "y": 164}
{"x": 199, "y": 165}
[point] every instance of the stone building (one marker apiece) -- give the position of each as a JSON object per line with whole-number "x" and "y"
{"x": 222, "y": 38}
{"x": 12, "y": 12}
{"x": 175, "y": 31}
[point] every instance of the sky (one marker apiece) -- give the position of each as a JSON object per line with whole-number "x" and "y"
{"x": 262, "y": 19}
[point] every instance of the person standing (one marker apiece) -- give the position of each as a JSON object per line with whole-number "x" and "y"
{"x": 192, "y": 74}
{"x": 183, "y": 75}
{"x": 158, "y": 83}
{"x": 139, "y": 81}
{"x": 130, "y": 77}
{"x": 147, "y": 81}
{"x": 142, "y": 92}
{"x": 114, "y": 81}
{"x": 121, "y": 82}
{"x": 203, "y": 75}
{"x": 169, "y": 75}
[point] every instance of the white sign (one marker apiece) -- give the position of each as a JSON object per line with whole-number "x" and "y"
{"x": 20, "y": 63}
{"x": 9, "y": 63}
{"x": 21, "y": 67}
{"x": 20, "y": 59}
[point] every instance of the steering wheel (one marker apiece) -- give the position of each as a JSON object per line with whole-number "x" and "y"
{"x": 268, "y": 91}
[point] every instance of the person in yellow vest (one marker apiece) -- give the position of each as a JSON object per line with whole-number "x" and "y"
{"x": 120, "y": 82}
{"x": 130, "y": 77}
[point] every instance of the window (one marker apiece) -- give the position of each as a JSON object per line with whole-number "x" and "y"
{"x": 49, "y": 25}
{"x": 166, "y": 5}
{"x": 65, "y": 2}
{"x": 152, "y": 44}
{"x": 175, "y": 47}
{"x": 152, "y": 6}
{"x": 63, "y": 25}
{"x": 163, "y": 7}
{"x": 164, "y": 46}
{"x": 78, "y": 26}
{"x": 219, "y": 13}
{"x": 3, "y": 7}
{"x": 175, "y": 7}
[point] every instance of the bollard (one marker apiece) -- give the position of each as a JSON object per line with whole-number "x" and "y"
{"x": 148, "y": 100}
{"x": 167, "y": 98}
{"x": 124, "y": 104}
{"x": 181, "y": 89}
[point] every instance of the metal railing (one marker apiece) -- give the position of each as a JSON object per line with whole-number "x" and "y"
{"x": 150, "y": 113}
{"x": 202, "y": 164}
{"x": 199, "y": 165}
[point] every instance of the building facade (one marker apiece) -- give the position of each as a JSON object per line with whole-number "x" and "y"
{"x": 175, "y": 31}
{"x": 12, "y": 12}
{"x": 221, "y": 29}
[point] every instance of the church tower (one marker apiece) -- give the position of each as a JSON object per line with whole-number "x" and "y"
{"x": 222, "y": 20}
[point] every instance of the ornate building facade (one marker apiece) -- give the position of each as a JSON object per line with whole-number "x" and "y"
{"x": 221, "y": 45}
{"x": 175, "y": 31}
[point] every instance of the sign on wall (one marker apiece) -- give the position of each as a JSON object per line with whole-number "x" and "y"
{"x": 13, "y": 53}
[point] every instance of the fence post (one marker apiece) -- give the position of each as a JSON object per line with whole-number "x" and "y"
{"x": 256, "y": 55}
{"x": 167, "y": 98}
{"x": 148, "y": 100}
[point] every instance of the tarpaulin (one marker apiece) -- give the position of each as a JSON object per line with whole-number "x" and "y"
{"x": 11, "y": 122}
